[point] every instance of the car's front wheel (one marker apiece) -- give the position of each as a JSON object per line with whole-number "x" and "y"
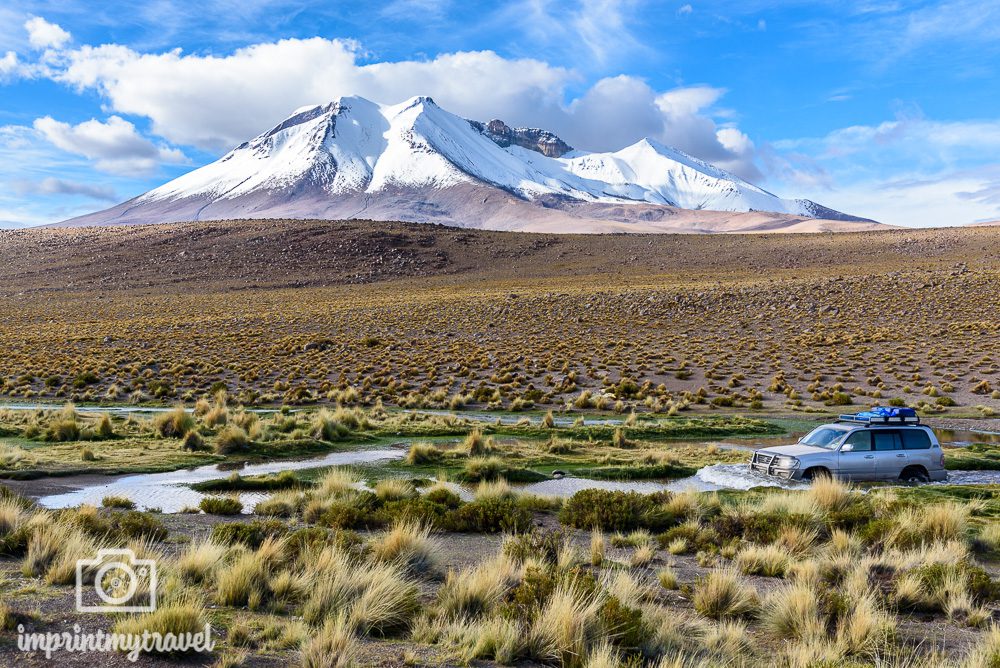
{"x": 816, "y": 473}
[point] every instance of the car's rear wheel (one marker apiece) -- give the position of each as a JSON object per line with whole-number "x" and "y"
{"x": 914, "y": 476}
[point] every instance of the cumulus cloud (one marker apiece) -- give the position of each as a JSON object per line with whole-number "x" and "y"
{"x": 215, "y": 102}
{"x": 45, "y": 35}
{"x": 9, "y": 66}
{"x": 115, "y": 145}
{"x": 54, "y": 186}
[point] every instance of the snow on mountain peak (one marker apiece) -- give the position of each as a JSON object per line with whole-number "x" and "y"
{"x": 351, "y": 148}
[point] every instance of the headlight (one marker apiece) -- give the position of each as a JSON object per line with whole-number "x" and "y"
{"x": 786, "y": 462}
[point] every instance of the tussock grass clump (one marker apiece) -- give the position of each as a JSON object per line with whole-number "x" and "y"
{"x": 493, "y": 489}
{"x": 829, "y": 493}
{"x": 193, "y": 441}
{"x": 336, "y": 425}
{"x": 244, "y": 582}
{"x": 423, "y": 454}
{"x": 483, "y": 468}
{"x": 395, "y": 489}
{"x": 104, "y": 429}
{"x": 231, "y": 439}
{"x": 567, "y": 626}
{"x": 43, "y": 549}
{"x": 470, "y": 593}
{"x": 199, "y": 561}
{"x": 62, "y": 429}
{"x": 986, "y": 652}
{"x": 598, "y": 547}
{"x": 477, "y": 445}
{"x": 176, "y": 618}
{"x": 722, "y": 595}
{"x": 667, "y": 577}
{"x": 386, "y": 604}
{"x": 410, "y": 545}
{"x": 282, "y": 504}
{"x": 866, "y": 628}
{"x": 173, "y": 424}
{"x": 216, "y": 416}
{"x": 333, "y": 646}
{"x": 643, "y": 555}
{"x": 335, "y": 483}
{"x": 793, "y": 612}
{"x": 768, "y": 560}
{"x": 73, "y": 546}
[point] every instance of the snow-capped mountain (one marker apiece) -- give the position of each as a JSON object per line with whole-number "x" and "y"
{"x": 353, "y": 158}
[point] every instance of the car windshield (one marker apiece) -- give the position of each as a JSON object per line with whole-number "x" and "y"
{"x": 824, "y": 437}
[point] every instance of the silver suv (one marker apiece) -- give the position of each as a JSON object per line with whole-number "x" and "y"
{"x": 857, "y": 449}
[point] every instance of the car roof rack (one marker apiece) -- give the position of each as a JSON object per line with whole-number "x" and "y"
{"x": 870, "y": 419}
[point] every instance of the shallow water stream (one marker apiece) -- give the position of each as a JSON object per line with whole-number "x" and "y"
{"x": 171, "y": 492}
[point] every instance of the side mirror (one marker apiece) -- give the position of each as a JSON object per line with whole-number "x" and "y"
{"x": 847, "y": 447}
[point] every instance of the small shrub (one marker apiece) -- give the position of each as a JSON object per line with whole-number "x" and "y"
{"x": 221, "y": 505}
{"x": 609, "y": 510}
{"x": 120, "y": 502}
{"x": 136, "y": 524}
{"x": 252, "y": 534}
{"x": 491, "y": 515}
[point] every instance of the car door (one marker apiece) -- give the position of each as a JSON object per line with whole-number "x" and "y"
{"x": 857, "y": 461}
{"x": 917, "y": 445}
{"x": 890, "y": 458}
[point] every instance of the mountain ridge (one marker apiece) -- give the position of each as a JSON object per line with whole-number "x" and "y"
{"x": 416, "y": 162}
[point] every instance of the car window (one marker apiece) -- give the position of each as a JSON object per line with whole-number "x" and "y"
{"x": 861, "y": 440}
{"x": 823, "y": 437}
{"x": 916, "y": 439}
{"x": 887, "y": 440}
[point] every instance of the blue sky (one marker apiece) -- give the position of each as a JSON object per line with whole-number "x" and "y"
{"x": 889, "y": 110}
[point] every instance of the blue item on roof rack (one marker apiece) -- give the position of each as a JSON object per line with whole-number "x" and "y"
{"x": 884, "y": 415}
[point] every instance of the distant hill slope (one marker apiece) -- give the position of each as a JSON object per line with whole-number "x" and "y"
{"x": 205, "y": 256}
{"x": 355, "y": 159}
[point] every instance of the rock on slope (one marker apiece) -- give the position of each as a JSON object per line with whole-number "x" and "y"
{"x": 353, "y": 158}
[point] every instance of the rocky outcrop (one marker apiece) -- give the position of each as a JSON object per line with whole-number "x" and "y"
{"x": 533, "y": 139}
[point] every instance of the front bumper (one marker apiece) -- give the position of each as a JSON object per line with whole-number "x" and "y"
{"x": 762, "y": 464}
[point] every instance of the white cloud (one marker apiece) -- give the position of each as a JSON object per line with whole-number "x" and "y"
{"x": 45, "y": 35}
{"x": 685, "y": 10}
{"x": 9, "y": 66}
{"x": 919, "y": 202}
{"x": 54, "y": 186}
{"x": 115, "y": 146}
{"x": 216, "y": 102}
{"x": 859, "y": 168}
